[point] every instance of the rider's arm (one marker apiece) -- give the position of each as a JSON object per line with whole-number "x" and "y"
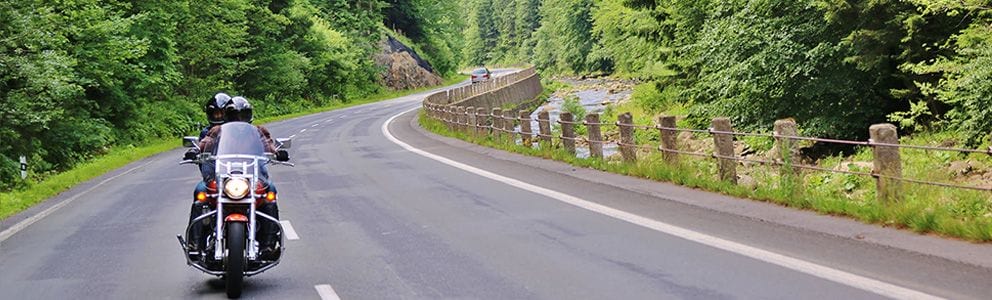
{"x": 208, "y": 141}
{"x": 203, "y": 133}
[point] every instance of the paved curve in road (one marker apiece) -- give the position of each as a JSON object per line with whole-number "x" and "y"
{"x": 377, "y": 221}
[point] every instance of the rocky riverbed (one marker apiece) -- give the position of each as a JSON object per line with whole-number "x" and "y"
{"x": 594, "y": 94}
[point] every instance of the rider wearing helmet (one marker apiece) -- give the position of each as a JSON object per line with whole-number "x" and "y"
{"x": 240, "y": 110}
{"x": 215, "y": 112}
{"x": 214, "y": 109}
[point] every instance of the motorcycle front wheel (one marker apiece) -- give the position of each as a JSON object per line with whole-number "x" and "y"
{"x": 234, "y": 269}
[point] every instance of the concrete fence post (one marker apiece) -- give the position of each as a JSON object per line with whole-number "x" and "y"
{"x": 627, "y": 147}
{"x": 453, "y": 112}
{"x": 669, "y": 139}
{"x": 567, "y": 132}
{"x": 788, "y": 153}
{"x": 724, "y": 144}
{"x": 480, "y": 122}
{"x": 466, "y": 120}
{"x": 447, "y": 118}
{"x": 508, "y": 126}
{"x": 452, "y": 118}
{"x": 470, "y": 121}
{"x": 461, "y": 118}
{"x": 526, "y": 134}
{"x": 595, "y": 136}
{"x": 887, "y": 162}
{"x": 545, "y": 126}
{"x": 497, "y": 124}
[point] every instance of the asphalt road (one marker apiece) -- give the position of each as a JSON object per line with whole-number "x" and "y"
{"x": 376, "y": 220}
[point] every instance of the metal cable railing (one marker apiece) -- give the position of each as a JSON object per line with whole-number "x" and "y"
{"x": 443, "y": 111}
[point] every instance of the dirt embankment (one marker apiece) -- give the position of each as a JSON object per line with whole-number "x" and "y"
{"x": 403, "y": 68}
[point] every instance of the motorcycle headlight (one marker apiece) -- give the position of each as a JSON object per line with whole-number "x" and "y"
{"x": 236, "y": 188}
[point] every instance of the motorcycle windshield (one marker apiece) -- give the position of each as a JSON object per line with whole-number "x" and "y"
{"x": 239, "y": 138}
{"x": 240, "y": 150}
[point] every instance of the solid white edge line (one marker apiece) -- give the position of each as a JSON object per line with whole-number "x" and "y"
{"x": 326, "y": 292}
{"x": 35, "y": 218}
{"x": 290, "y": 231}
{"x": 849, "y": 279}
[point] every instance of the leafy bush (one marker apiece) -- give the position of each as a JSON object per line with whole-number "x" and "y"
{"x": 647, "y": 96}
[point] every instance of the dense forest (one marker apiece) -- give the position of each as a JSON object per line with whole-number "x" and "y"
{"x": 836, "y": 66}
{"x": 80, "y": 76}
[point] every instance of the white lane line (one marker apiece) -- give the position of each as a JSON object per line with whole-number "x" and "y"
{"x": 303, "y": 130}
{"x": 35, "y": 218}
{"x": 314, "y": 125}
{"x": 290, "y": 232}
{"x": 292, "y": 136}
{"x": 849, "y": 279}
{"x": 326, "y": 292}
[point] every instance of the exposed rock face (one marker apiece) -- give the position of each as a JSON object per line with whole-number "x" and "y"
{"x": 404, "y": 69}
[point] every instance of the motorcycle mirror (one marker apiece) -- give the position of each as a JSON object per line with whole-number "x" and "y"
{"x": 282, "y": 155}
{"x": 191, "y": 142}
{"x": 285, "y": 143}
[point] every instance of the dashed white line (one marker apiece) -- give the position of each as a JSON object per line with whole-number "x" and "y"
{"x": 288, "y": 229}
{"x": 303, "y": 130}
{"x": 326, "y": 292}
{"x": 831, "y": 274}
{"x": 292, "y": 136}
{"x": 314, "y": 125}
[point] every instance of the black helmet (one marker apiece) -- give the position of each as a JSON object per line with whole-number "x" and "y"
{"x": 238, "y": 110}
{"x": 215, "y": 108}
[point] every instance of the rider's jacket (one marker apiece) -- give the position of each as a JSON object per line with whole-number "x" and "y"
{"x": 203, "y": 133}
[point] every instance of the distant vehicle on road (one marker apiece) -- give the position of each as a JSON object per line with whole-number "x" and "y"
{"x": 481, "y": 74}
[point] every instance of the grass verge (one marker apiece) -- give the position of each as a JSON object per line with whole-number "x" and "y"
{"x": 16, "y": 201}
{"x": 925, "y": 209}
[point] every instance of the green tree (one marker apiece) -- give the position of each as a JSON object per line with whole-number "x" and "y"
{"x": 528, "y": 19}
{"x": 564, "y": 39}
{"x": 480, "y": 32}
{"x": 966, "y": 85}
{"x": 214, "y": 41}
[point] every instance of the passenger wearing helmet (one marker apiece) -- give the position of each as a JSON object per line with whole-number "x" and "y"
{"x": 240, "y": 110}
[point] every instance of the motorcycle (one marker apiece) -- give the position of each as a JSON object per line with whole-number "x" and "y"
{"x": 239, "y": 185}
